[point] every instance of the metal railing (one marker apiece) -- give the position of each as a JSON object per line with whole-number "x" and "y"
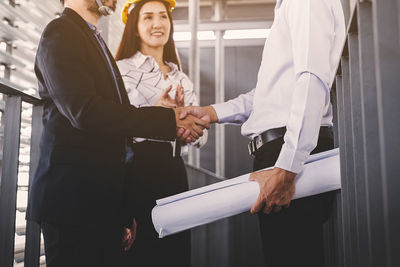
{"x": 9, "y": 178}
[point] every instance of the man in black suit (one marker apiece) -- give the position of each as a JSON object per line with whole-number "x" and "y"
{"x": 77, "y": 191}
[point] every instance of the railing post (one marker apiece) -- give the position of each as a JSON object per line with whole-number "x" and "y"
{"x": 386, "y": 27}
{"x": 344, "y": 224}
{"x": 370, "y": 124}
{"x": 32, "y": 241}
{"x": 360, "y": 183}
{"x": 8, "y": 186}
{"x": 349, "y": 191}
{"x": 339, "y": 139}
{"x": 334, "y": 103}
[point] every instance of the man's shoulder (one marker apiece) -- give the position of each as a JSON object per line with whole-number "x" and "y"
{"x": 61, "y": 25}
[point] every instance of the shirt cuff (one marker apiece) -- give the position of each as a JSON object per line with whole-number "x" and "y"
{"x": 291, "y": 160}
{"x": 223, "y": 112}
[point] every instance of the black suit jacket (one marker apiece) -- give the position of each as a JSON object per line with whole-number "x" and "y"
{"x": 80, "y": 176}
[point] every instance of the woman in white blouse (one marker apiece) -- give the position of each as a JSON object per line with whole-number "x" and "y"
{"x": 152, "y": 75}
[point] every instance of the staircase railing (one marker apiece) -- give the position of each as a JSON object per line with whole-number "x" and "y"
{"x": 9, "y": 177}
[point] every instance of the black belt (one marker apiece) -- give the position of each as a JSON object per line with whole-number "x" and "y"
{"x": 273, "y": 134}
{"x": 150, "y": 148}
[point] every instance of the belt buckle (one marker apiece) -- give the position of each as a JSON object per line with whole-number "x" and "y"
{"x": 250, "y": 147}
{"x": 253, "y": 146}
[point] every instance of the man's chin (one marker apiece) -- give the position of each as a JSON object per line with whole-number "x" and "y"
{"x": 113, "y": 7}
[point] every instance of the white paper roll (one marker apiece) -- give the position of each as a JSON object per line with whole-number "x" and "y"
{"x": 234, "y": 196}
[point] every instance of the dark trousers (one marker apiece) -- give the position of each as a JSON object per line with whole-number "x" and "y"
{"x": 294, "y": 236}
{"x": 76, "y": 246}
{"x": 155, "y": 174}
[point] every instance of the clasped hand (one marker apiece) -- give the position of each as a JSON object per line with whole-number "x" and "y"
{"x": 191, "y": 121}
{"x": 189, "y": 124}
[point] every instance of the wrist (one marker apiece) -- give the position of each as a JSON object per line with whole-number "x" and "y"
{"x": 288, "y": 175}
{"x": 177, "y": 112}
{"x": 212, "y": 113}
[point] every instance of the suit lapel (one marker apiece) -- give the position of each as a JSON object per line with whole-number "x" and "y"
{"x": 121, "y": 85}
{"x": 89, "y": 33}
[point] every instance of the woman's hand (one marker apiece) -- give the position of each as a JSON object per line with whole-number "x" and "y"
{"x": 167, "y": 102}
{"x": 180, "y": 96}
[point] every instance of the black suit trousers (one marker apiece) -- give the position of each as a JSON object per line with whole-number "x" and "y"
{"x": 82, "y": 246}
{"x": 156, "y": 174}
{"x": 294, "y": 236}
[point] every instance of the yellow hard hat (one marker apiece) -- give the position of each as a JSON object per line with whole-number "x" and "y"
{"x": 128, "y": 3}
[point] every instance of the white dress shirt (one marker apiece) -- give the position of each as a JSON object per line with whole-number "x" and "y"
{"x": 298, "y": 66}
{"x": 145, "y": 83}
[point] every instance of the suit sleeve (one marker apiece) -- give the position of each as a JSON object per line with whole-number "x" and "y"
{"x": 64, "y": 68}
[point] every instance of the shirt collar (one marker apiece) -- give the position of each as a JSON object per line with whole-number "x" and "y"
{"x": 143, "y": 62}
{"x": 147, "y": 63}
{"x": 93, "y": 28}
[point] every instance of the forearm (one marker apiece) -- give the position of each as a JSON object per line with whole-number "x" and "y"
{"x": 234, "y": 111}
{"x": 310, "y": 99}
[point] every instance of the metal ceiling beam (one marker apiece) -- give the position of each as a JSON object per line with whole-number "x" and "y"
{"x": 183, "y": 26}
{"x": 229, "y": 2}
{"x": 227, "y": 43}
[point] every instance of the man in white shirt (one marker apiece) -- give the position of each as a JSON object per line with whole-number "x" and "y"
{"x": 286, "y": 115}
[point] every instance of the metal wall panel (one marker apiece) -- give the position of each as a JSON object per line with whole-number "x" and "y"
{"x": 370, "y": 129}
{"x": 387, "y": 58}
{"x": 367, "y": 109}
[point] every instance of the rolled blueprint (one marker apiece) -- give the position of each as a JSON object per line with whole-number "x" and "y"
{"x": 180, "y": 212}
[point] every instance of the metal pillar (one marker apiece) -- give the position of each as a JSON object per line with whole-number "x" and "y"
{"x": 194, "y": 66}
{"x": 219, "y": 89}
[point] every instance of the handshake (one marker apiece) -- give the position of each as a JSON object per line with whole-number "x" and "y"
{"x": 191, "y": 121}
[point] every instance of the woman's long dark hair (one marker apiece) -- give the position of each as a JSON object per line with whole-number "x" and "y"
{"x": 131, "y": 43}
